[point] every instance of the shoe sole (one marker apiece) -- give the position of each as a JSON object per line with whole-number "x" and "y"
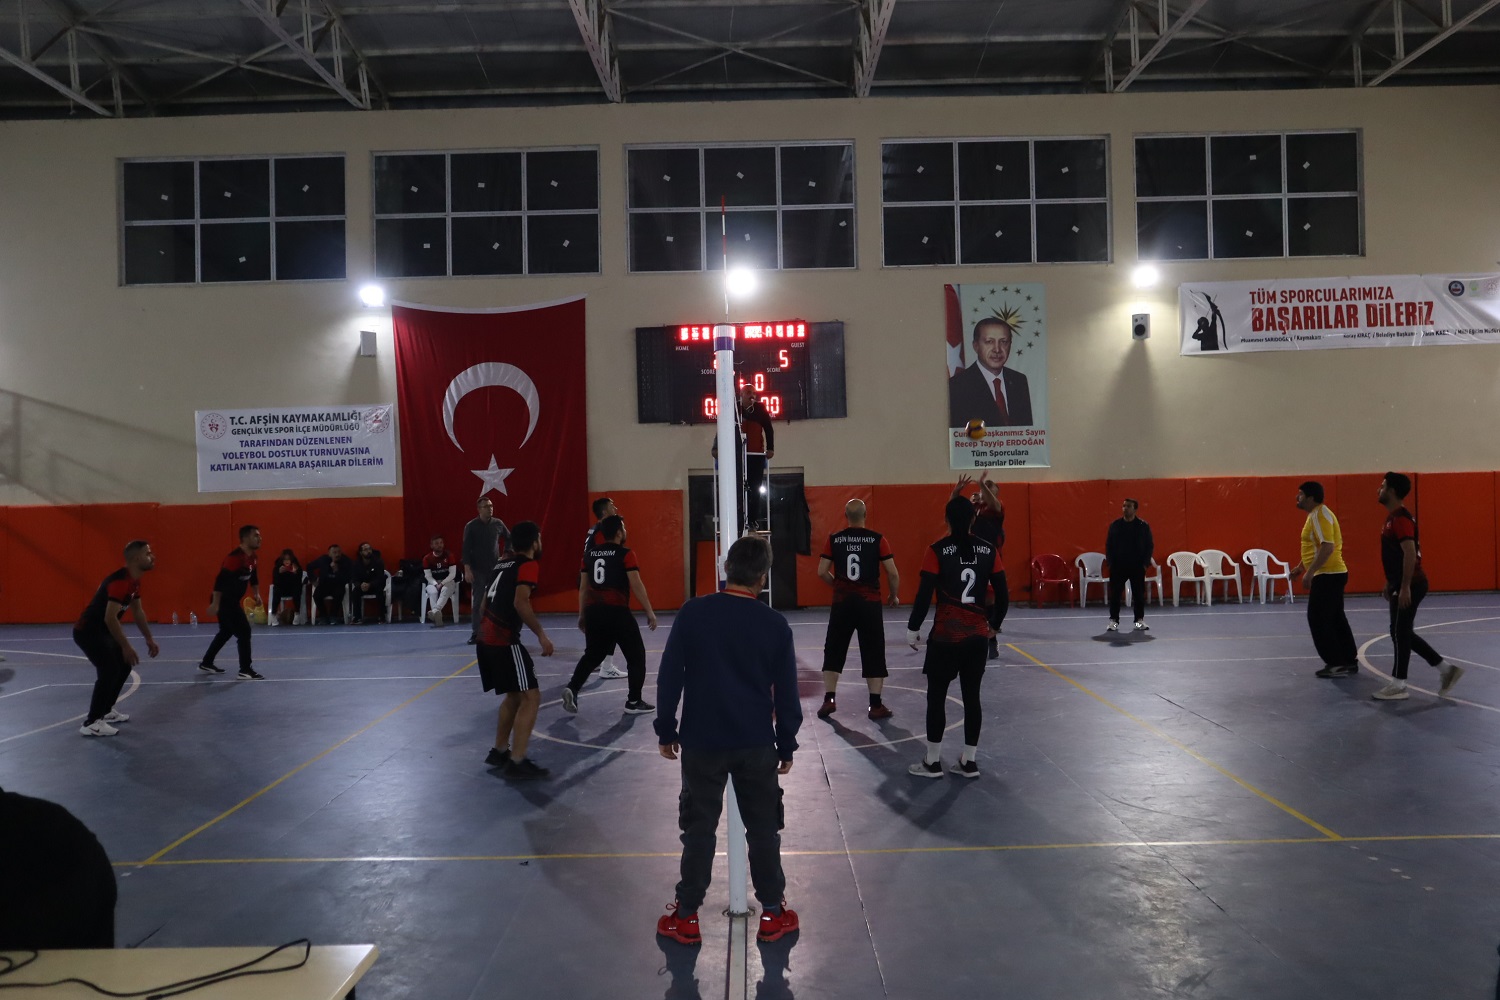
{"x": 639, "y": 711}
{"x": 825, "y": 714}
{"x": 690, "y": 942}
{"x": 205, "y": 668}
{"x": 569, "y": 702}
{"x": 250, "y": 677}
{"x": 964, "y": 774}
{"x": 879, "y": 718}
{"x": 1452, "y": 680}
{"x": 768, "y": 938}
{"x": 924, "y": 773}
{"x": 1401, "y": 696}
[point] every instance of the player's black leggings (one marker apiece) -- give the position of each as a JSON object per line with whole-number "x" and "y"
{"x": 606, "y": 626}
{"x": 946, "y": 660}
{"x": 232, "y": 625}
{"x": 111, "y": 672}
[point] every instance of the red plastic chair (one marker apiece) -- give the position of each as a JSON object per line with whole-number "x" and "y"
{"x": 1050, "y": 570}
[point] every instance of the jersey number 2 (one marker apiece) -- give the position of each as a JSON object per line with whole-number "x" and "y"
{"x": 969, "y": 578}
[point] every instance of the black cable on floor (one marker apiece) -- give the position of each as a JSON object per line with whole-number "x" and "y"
{"x": 170, "y": 989}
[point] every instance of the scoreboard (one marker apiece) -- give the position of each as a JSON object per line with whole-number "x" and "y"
{"x": 796, "y": 369}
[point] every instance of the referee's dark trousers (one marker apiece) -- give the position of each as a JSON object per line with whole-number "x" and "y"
{"x": 758, "y": 793}
{"x": 1332, "y": 637}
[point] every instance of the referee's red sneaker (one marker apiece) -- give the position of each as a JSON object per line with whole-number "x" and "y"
{"x": 773, "y": 926}
{"x": 680, "y": 927}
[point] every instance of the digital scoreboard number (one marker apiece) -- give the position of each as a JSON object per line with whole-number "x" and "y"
{"x": 796, "y": 369}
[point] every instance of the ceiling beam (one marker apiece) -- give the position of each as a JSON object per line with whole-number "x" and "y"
{"x": 1161, "y": 42}
{"x": 366, "y": 75}
{"x": 874, "y": 22}
{"x": 71, "y": 93}
{"x": 592, "y": 18}
{"x": 1102, "y": 53}
{"x": 273, "y": 23}
{"x": 1434, "y": 41}
{"x": 740, "y": 48}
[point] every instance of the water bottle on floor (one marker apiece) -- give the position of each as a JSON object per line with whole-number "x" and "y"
{"x": 174, "y": 618}
{"x": 193, "y": 618}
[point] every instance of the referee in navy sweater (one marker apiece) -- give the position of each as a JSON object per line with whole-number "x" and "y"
{"x": 730, "y": 660}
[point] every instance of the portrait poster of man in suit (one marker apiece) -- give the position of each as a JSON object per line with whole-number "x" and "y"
{"x": 997, "y": 375}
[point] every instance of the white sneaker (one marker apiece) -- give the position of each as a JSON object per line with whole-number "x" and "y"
{"x": 113, "y": 716}
{"x": 1394, "y": 691}
{"x": 98, "y": 728}
{"x": 1449, "y": 672}
{"x": 1113, "y": 627}
{"x": 1142, "y": 627}
{"x": 610, "y": 672}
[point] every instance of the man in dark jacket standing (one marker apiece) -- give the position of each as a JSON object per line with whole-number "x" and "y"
{"x": 1128, "y": 549}
{"x": 485, "y": 540}
{"x": 731, "y": 662}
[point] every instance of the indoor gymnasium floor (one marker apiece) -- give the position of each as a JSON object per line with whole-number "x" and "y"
{"x": 1193, "y": 815}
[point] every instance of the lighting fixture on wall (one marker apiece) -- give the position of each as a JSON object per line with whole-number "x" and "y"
{"x": 1145, "y": 276}
{"x": 372, "y": 296}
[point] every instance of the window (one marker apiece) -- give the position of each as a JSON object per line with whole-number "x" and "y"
{"x": 995, "y": 201}
{"x": 243, "y": 219}
{"x": 487, "y": 213}
{"x": 787, "y": 207}
{"x": 1216, "y": 197}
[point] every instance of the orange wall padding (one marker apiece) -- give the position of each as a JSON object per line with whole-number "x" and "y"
{"x": 52, "y": 558}
{"x": 1457, "y": 530}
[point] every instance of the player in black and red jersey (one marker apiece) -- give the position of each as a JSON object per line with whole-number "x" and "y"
{"x": 607, "y": 577}
{"x": 237, "y": 575}
{"x": 100, "y": 635}
{"x": 957, "y": 570}
{"x": 1405, "y": 586}
{"x": 989, "y": 524}
{"x": 851, "y": 563}
{"x": 602, "y": 508}
{"x": 504, "y": 664}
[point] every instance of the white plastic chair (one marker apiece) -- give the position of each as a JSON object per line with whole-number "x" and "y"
{"x": 1261, "y": 563}
{"x": 300, "y": 603}
{"x": 1218, "y": 567}
{"x": 1152, "y": 579}
{"x": 1090, "y": 570}
{"x": 364, "y": 597}
{"x": 1185, "y": 567}
{"x": 452, "y": 600}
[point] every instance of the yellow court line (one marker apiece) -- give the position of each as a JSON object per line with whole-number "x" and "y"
{"x": 833, "y": 852}
{"x": 1182, "y": 746}
{"x": 301, "y": 767}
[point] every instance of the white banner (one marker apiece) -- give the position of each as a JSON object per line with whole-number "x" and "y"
{"x": 1411, "y": 310}
{"x": 294, "y": 448}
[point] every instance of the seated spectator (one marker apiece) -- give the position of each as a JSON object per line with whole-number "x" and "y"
{"x": 406, "y": 588}
{"x": 59, "y": 888}
{"x": 440, "y": 569}
{"x": 331, "y": 577}
{"x": 286, "y": 585}
{"x": 369, "y": 581}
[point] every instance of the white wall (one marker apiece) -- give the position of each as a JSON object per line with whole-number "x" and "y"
{"x": 98, "y": 382}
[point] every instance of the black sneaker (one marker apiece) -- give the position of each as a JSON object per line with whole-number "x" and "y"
{"x": 209, "y": 668}
{"x": 1326, "y": 671}
{"x": 994, "y": 648}
{"x": 498, "y": 757}
{"x": 1343, "y": 670}
{"x": 570, "y": 701}
{"x": 639, "y": 707}
{"x": 473, "y": 640}
{"x": 249, "y": 674}
{"x": 525, "y": 770}
{"x": 922, "y": 769}
{"x": 965, "y": 768}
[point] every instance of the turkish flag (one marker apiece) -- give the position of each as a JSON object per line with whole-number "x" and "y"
{"x": 492, "y": 404}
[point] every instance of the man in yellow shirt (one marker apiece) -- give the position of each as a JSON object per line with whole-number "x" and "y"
{"x": 1325, "y": 577}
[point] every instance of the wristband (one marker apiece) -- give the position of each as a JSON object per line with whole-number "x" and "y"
{"x": 913, "y": 637}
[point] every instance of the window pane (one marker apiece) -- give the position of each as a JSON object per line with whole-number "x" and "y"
{"x": 917, "y": 171}
{"x": 407, "y": 185}
{"x": 158, "y": 191}
{"x": 742, "y": 175}
{"x": 156, "y": 255}
{"x": 308, "y": 250}
{"x": 562, "y": 179}
{"x": 1323, "y": 227}
{"x": 994, "y": 171}
{"x": 751, "y": 242}
{"x": 1323, "y": 161}
{"x": 310, "y": 185}
{"x": 562, "y": 244}
{"x": 1072, "y": 232}
{"x": 1171, "y": 230}
{"x": 1171, "y": 167}
{"x": 1246, "y": 164}
{"x": 411, "y": 248}
{"x": 919, "y": 236}
{"x": 995, "y": 234}
{"x": 1249, "y": 228}
{"x": 235, "y": 251}
{"x": 817, "y": 175}
{"x": 664, "y": 178}
{"x": 1070, "y": 168}
{"x": 234, "y": 189}
{"x": 817, "y": 237}
{"x": 487, "y": 244}
{"x": 666, "y": 241}
{"x": 486, "y": 182}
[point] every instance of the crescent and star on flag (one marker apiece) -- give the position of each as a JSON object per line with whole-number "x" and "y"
{"x": 481, "y": 376}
